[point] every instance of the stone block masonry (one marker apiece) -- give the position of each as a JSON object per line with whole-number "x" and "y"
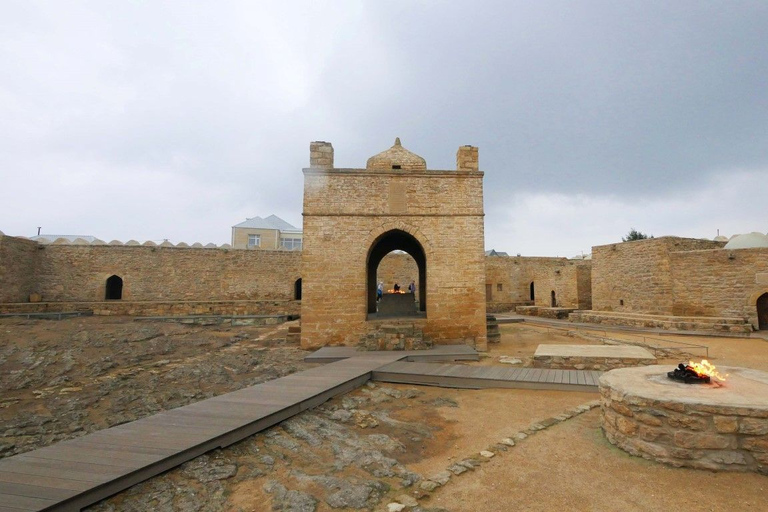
{"x": 19, "y": 259}
{"x": 635, "y": 277}
{"x": 353, "y": 215}
{"x": 699, "y": 426}
{"x": 79, "y": 273}
{"x": 719, "y": 282}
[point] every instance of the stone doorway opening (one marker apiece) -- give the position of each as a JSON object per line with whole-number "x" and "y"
{"x": 533, "y": 295}
{"x": 396, "y": 240}
{"x": 762, "y": 312}
{"x": 297, "y": 289}
{"x": 114, "y": 288}
{"x": 554, "y": 299}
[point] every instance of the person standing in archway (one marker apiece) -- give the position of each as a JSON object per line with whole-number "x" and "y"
{"x": 412, "y": 287}
{"x": 397, "y": 288}
{"x": 379, "y": 291}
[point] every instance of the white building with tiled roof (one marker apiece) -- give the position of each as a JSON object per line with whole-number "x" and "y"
{"x": 271, "y": 233}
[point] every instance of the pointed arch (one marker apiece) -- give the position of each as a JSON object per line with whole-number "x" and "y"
{"x": 393, "y": 240}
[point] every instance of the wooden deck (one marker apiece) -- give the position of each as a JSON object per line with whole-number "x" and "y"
{"x": 73, "y": 474}
{"x": 478, "y": 377}
{"x": 436, "y": 353}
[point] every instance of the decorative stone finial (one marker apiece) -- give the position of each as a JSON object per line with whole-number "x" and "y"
{"x": 397, "y": 141}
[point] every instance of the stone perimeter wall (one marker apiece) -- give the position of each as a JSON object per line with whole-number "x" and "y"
{"x": 78, "y": 274}
{"x": 397, "y": 268}
{"x": 719, "y": 282}
{"x": 18, "y": 268}
{"x": 570, "y": 279}
{"x": 635, "y": 277}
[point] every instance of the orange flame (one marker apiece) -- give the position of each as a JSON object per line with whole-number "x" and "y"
{"x": 706, "y": 368}
{"x": 398, "y": 291}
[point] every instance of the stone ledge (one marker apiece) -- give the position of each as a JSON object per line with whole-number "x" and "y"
{"x": 731, "y": 326}
{"x": 591, "y": 357}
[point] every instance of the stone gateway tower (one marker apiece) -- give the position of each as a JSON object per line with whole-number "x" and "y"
{"x": 355, "y": 217}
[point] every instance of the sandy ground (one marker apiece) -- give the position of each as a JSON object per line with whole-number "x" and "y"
{"x": 569, "y": 466}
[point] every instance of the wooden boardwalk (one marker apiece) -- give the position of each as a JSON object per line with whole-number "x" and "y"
{"x": 73, "y": 474}
{"x": 478, "y": 377}
{"x": 436, "y": 353}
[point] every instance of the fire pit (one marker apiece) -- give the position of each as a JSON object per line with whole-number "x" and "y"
{"x": 715, "y": 425}
{"x": 695, "y": 373}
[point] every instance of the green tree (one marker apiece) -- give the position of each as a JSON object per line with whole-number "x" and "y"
{"x": 635, "y": 235}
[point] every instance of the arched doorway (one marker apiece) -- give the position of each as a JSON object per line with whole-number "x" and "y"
{"x": 533, "y": 297}
{"x": 554, "y": 299}
{"x": 395, "y": 240}
{"x": 762, "y": 312}
{"x": 297, "y": 289}
{"x": 114, "y": 288}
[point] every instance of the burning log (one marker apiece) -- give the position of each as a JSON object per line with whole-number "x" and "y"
{"x": 695, "y": 373}
{"x": 687, "y": 374}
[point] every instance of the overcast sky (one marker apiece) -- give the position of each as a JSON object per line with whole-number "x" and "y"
{"x": 154, "y": 120}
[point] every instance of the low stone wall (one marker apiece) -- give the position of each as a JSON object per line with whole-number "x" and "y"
{"x": 504, "y": 307}
{"x": 692, "y": 425}
{"x": 556, "y": 313}
{"x": 588, "y": 363}
{"x": 402, "y": 335}
{"x": 591, "y": 357}
{"x": 161, "y": 308}
{"x": 219, "y": 319}
{"x": 730, "y": 326}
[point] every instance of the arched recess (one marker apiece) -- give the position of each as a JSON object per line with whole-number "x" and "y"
{"x": 533, "y": 296}
{"x": 297, "y": 289}
{"x": 554, "y": 299}
{"x": 395, "y": 240}
{"x": 114, "y": 288}
{"x": 762, "y": 312}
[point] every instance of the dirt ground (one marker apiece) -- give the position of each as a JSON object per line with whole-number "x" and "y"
{"x": 361, "y": 451}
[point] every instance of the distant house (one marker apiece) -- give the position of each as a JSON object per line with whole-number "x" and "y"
{"x": 494, "y": 252}
{"x": 271, "y": 233}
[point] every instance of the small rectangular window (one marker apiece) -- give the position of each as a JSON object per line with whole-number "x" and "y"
{"x": 291, "y": 244}
{"x": 254, "y": 240}
{"x": 499, "y": 287}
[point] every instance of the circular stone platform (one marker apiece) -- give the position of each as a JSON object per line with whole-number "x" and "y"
{"x": 708, "y": 426}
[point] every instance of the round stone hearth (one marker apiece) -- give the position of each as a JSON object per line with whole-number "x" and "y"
{"x": 720, "y": 426}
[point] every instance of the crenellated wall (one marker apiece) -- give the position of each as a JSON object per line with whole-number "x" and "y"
{"x": 64, "y": 272}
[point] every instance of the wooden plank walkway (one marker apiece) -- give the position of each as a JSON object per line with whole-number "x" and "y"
{"x": 73, "y": 474}
{"x": 478, "y": 377}
{"x": 436, "y": 353}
